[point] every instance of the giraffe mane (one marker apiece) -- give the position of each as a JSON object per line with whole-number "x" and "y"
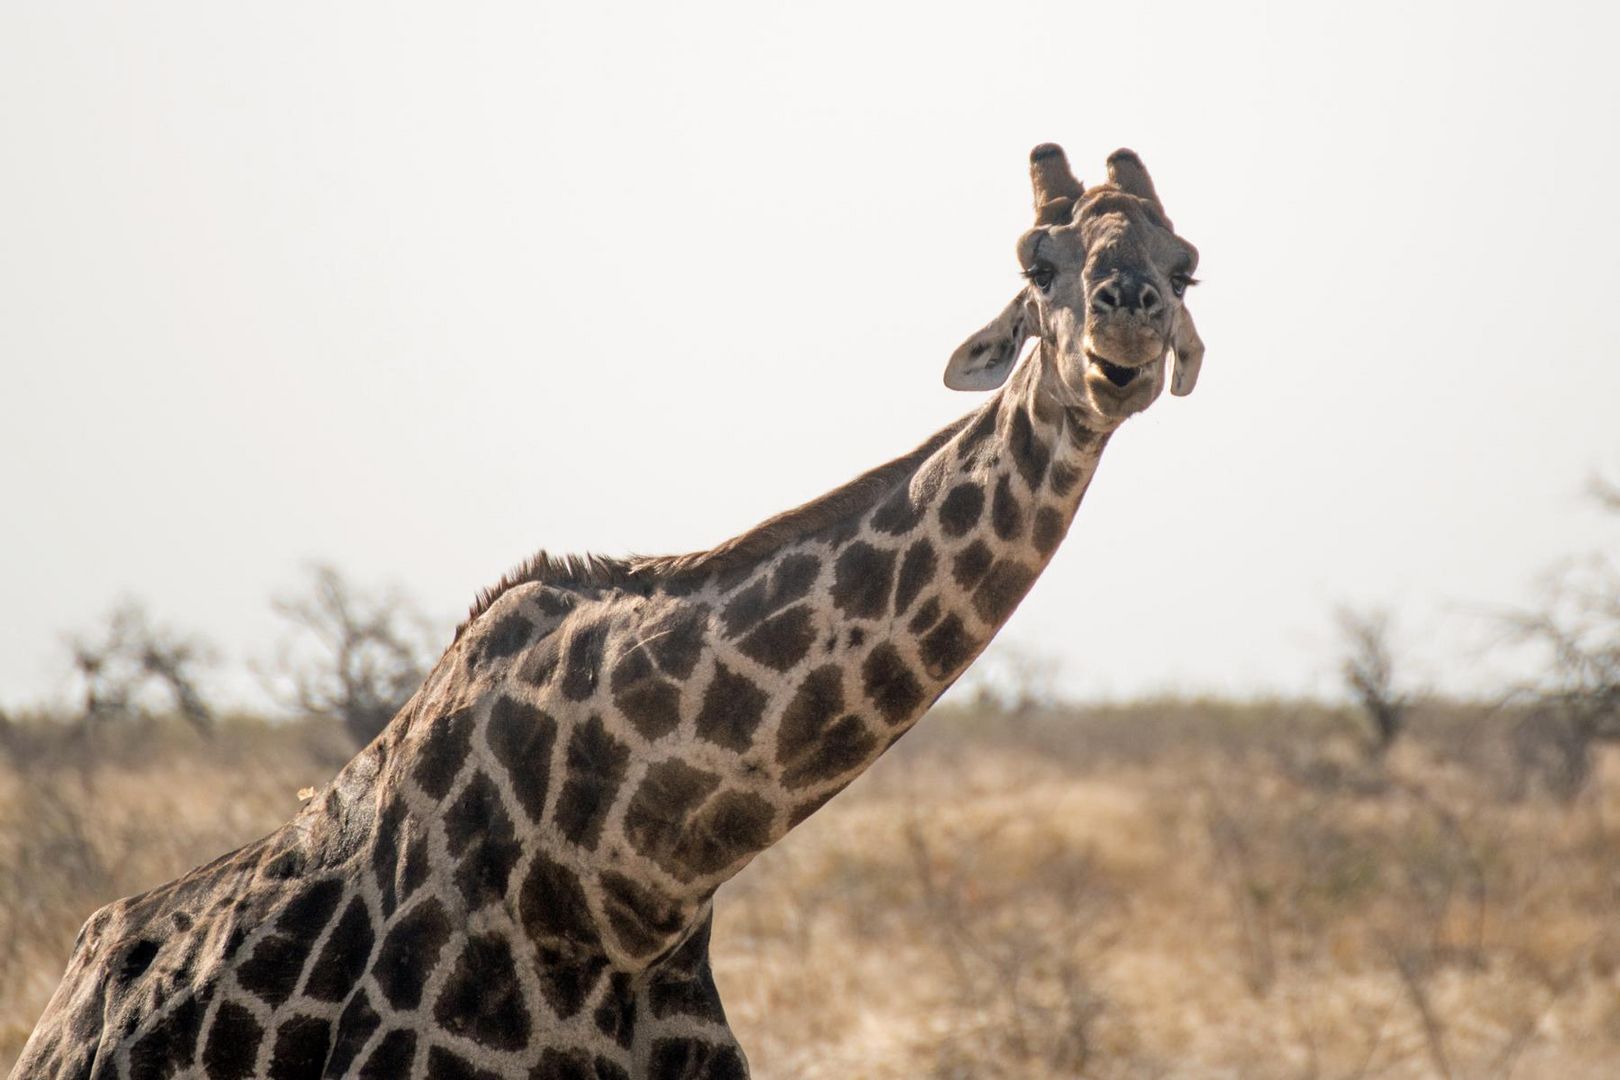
{"x": 646, "y": 572}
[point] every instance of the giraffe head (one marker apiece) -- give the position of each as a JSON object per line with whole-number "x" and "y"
{"x": 1107, "y": 276}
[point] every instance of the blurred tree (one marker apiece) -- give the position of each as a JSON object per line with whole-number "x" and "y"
{"x": 1368, "y": 669}
{"x": 356, "y": 657}
{"x": 131, "y": 664}
{"x": 1576, "y": 702}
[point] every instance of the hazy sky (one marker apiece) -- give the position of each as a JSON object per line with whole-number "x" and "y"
{"x": 418, "y": 289}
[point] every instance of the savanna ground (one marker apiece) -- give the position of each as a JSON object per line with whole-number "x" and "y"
{"x": 1165, "y": 889}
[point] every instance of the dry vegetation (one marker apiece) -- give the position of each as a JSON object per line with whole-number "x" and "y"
{"x": 1165, "y": 889}
{"x": 1186, "y": 890}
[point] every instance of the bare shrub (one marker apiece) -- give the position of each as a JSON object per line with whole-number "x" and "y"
{"x": 1436, "y": 889}
{"x": 1017, "y": 953}
{"x": 1368, "y": 669}
{"x": 78, "y": 830}
{"x": 132, "y": 669}
{"x": 1248, "y": 889}
{"x": 355, "y": 657}
{"x": 48, "y": 852}
{"x": 1576, "y": 703}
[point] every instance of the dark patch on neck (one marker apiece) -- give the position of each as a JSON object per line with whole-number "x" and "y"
{"x": 616, "y": 1016}
{"x": 171, "y": 1043}
{"x": 643, "y": 919}
{"x": 483, "y": 1000}
{"x": 343, "y": 959}
{"x": 682, "y": 1056}
{"x": 595, "y": 766}
{"x": 409, "y": 954}
{"x": 137, "y": 960}
{"x": 354, "y": 1028}
{"x": 444, "y": 1065}
{"x": 393, "y": 1056}
{"x": 300, "y": 1048}
{"x": 1030, "y": 454}
{"x": 233, "y": 1043}
{"x": 732, "y": 709}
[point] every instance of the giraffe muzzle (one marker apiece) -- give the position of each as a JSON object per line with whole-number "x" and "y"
{"x": 1118, "y": 374}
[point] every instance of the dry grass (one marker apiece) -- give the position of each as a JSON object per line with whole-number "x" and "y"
{"x": 85, "y": 821}
{"x": 1164, "y": 889}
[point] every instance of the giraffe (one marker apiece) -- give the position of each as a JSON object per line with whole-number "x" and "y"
{"x": 516, "y": 878}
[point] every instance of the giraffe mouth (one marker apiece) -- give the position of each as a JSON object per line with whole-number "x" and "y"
{"x": 1117, "y": 374}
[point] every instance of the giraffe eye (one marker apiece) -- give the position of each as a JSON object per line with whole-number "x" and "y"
{"x": 1041, "y": 274}
{"x": 1179, "y": 283}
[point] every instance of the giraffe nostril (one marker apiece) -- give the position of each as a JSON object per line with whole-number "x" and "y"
{"x": 1149, "y": 299}
{"x": 1105, "y": 298}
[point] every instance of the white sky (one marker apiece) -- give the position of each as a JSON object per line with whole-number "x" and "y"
{"x": 420, "y": 288}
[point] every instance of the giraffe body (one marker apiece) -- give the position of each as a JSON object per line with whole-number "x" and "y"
{"x": 515, "y": 879}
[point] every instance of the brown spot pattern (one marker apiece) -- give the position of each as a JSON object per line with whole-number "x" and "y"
{"x": 567, "y": 983}
{"x": 1048, "y": 530}
{"x": 442, "y": 752}
{"x": 233, "y": 1043}
{"x": 300, "y": 1048}
{"x": 479, "y": 833}
{"x": 1001, "y": 589}
{"x": 521, "y": 738}
{"x": 540, "y": 663}
{"x": 676, "y": 639}
{"x": 790, "y": 581}
{"x": 409, "y": 953}
{"x": 843, "y": 746}
{"x": 733, "y": 824}
{"x": 961, "y": 508}
{"x": 947, "y": 647}
{"x": 582, "y": 660}
{"x": 1030, "y": 454}
{"x": 507, "y": 637}
{"x": 782, "y": 640}
{"x": 595, "y": 764}
{"x": 890, "y": 684}
{"x": 862, "y": 577}
{"x": 661, "y": 808}
{"x": 1006, "y": 516}
{"x": 482, "y": 999}
{"x": 818, "y": 699}
{"x": 731, "y": 710}
{"x": 354, "y": 1028}
{"x": 926, "y": 616}
{"x": 653, "y": 706}
{"x": 896, "y": 514}
{"x": 971, "y": 563}
{"x": 553, "y": 910}
{"x": 917, "y": 569}
{"x": 642, "y": 918}
{"x": 343, "y": 959}
{"x": 1063, "y": 479}
{"x": 392, "y": 1057}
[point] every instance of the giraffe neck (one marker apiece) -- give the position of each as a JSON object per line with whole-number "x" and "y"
{"x": 616, "y": 751}
{"x": 916, "y": 587}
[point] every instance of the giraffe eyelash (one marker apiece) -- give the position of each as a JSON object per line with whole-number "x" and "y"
{"x": 1041, "y": 274}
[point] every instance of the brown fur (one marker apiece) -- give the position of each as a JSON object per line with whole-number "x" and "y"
{"x": 1105, "y": 197}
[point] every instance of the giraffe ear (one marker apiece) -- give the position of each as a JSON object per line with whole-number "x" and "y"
{"x": 1189, "y": 354}
{"x": 984, "y": 361}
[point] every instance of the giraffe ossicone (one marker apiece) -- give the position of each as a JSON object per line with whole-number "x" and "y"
{"x": 515, "y": 878}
